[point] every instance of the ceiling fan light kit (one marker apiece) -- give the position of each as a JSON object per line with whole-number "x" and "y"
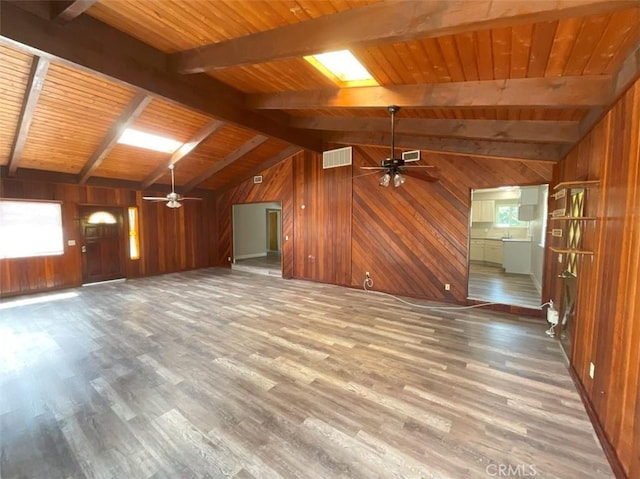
{"x": 396, "y": 168}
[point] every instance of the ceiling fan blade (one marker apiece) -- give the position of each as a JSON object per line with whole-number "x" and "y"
{"x": 189, "y": 198}
{"x": 364, "y": 174}
{"x": 421, "y": 176}
{"x": 155, "y": 198}
{"x": 418, "y": 166}
{"x": 374, "y": 167}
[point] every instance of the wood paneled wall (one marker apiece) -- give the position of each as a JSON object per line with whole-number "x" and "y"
{"x": 170, "y": 240}
{"x": 412, "y": 239}
{"x": 415, "y": 238}
{"x": 607, "y": 319}
{"x": 322, "y": 216}
{"x": 277, "y": 185}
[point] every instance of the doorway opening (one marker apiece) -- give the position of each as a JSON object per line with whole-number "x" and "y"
{"x": 507, "y": 231}
{"x": 103, "y": 244}
{"x": 257, "y": 238}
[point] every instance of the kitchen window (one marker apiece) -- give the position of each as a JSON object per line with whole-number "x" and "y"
{"x": 507, "y": 216}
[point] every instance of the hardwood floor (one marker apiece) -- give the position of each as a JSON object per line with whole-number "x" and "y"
{"x": 219, "y": 373}
{"x": 491, "y": 283}
{"x": 270, "y": 265}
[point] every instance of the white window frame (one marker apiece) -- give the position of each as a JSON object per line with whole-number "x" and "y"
{"x": 28, "y": 237}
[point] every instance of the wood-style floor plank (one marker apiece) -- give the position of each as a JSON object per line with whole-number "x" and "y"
{"x": 491, "y": 283}
{"x": 218, "y": 373}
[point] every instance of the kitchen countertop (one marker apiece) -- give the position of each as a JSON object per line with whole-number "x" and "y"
{"x": 510, "y": 240}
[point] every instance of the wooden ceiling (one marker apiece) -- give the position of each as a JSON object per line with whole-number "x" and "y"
{"x": 517, "y": 79}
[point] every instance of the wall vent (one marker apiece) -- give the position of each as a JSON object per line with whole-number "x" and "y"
{"x": 257, "y": 179}
{"x": 411, "y": 155}
{"x": 336, "y": 158}
{"x": 557, "y": 232}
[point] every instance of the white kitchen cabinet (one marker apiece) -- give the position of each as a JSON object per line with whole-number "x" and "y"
{"x": 476, "y": 250}
{"x": 493, "y": 252}
{"x": 529, "y": 195}
{"x": 517, "y": 256}
{"x": 483, "y": 211}
{"x": 486, "y": 250}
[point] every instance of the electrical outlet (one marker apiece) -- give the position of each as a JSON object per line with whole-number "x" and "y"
{"x": 228, "y": 258}
{"x": 592, "y": 370}
{"x": 560, "y": 258}
{"x": 447, "y": 286}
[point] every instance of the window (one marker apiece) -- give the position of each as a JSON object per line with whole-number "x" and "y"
{"x": 30, "y": 228}
{"x": 102, "y": 217}
{"x": 134, "y": 240}
{"x": 343, "y": 68}
{"x": 507, "y": 215}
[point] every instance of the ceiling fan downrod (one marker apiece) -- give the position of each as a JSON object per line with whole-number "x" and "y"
{"x": 393, "y": 109}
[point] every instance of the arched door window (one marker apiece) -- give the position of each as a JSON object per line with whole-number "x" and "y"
{"x": 101, "y": 217}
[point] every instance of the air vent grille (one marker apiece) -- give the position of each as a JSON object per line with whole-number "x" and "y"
{"x": 336, "y": 158}
{"x": 411, "y": 155}
{"x": 257, "y": 179}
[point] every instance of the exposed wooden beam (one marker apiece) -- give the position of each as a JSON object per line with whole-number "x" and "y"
{"x": 627, "y": 74}
{"x": 67, "y": 10}
{"x": 480, "y": 148}
{"x": 204, "y": 133}
{"x": 235, "y": 155}
{"x": 135, "y": 107}
{"x": 384, "y": 22}
{"x": 89, "y": 44}
{"x": 557, "y": 92}
{"x": 501, "y": 130}
{"x": 71, "y": 179}
{"x": 283, "y": 155}
{"x": 37, "y": 75}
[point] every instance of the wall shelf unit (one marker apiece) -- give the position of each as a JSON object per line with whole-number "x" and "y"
{"x": 572, "y": 251}
{"x": 566, "y": 185}
{"x": 575, "y": 218}
{"x": 570, "y": 199}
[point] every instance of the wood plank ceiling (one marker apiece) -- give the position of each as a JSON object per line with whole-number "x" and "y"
{"x": 497, "y": 79}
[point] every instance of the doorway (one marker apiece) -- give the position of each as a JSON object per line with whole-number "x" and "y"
{"x": 102, "y": 245}
{"x": 257, "y": 238}
{"x": 507, "y": 232}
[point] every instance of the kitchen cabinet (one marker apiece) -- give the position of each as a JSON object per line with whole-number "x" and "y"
{"x": 476, "y": 250}
{"x": 486, "y": 250}
{"x": 517, "y": 256}
{"x": 483, "y": 211}
{"x": 493, "y": 252}
{"x": 529, "y": 195}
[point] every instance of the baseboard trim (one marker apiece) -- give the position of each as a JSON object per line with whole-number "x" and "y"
{"x": 249, "y": 256}
{"x": 607, "y": 448}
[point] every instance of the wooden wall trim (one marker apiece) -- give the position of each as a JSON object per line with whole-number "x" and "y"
{"x": 606, "y": 330}
{"x": 607, "y": 448}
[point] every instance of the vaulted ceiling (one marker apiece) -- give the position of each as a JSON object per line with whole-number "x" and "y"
{"x": 516, "y": 79}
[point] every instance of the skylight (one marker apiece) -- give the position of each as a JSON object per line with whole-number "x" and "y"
{"x": 141, "y": 139}
{"x": 342, "y": 68}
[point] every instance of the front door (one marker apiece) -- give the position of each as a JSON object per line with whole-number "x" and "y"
{"x": 102, "y": 244}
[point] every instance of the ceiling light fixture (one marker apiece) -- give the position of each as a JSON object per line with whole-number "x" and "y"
{"x": 149, "y": 141}
{"x": 398, "y": 180}
{"x": 343, "y": 68}
{"x": 384, "y": 181}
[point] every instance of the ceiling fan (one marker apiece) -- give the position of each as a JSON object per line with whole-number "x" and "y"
{"x": 397, "y": 168}
{"x": 173, "y": 199}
